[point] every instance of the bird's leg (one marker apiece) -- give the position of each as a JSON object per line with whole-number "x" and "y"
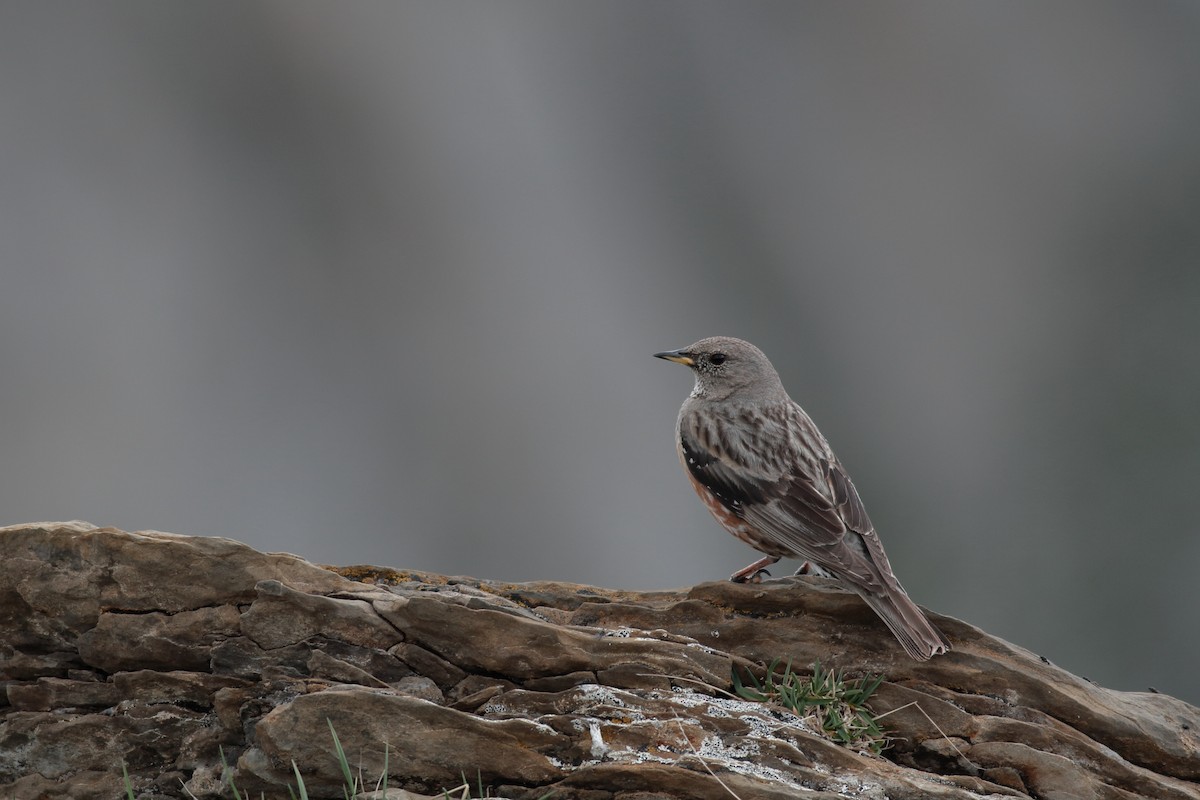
{"x": 754, "y": 572}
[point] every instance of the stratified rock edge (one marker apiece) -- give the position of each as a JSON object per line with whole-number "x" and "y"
{"x": 159, "y": 652}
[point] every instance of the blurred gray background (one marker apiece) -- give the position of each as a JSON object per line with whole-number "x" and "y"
{"x": 380, "y": 283}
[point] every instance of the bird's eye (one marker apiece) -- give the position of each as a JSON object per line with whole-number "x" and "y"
{"x": 717, "y": 359}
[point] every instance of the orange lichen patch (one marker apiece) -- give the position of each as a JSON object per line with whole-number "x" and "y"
{"x": 366, "y": 573}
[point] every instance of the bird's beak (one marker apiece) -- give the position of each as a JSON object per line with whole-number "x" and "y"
{"x": 678, "y": 356}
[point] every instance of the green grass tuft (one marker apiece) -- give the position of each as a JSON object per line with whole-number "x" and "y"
{"x": 227, "y": 774}
{"x": 836, "y": 706}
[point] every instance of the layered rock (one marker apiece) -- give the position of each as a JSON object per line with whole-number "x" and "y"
{"x": 167, "y": 653}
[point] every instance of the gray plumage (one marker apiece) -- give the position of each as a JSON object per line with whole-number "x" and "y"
{"x": 769, "y": 477}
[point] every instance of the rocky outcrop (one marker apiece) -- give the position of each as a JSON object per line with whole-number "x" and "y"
{"x": 167, "y": 653}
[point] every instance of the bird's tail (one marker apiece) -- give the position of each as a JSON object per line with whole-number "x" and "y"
{"x": 916, "y": 634}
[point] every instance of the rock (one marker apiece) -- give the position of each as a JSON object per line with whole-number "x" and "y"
{"x": 423, "y": 662}
{"x": 419, "y": 733}
{"x": 486, "y": 640}
{"x": 420, "y": 687}
{"x": 156, "y": 640}
{"x": 191, "y": 689}
{"x": 47, "y": 694}
{"x": 281, "y": 616}
{"x": 84, "y": 785}
{"x": 161, "y": 652}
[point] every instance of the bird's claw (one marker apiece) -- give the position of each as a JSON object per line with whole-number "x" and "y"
{"x": 754, "y": 577}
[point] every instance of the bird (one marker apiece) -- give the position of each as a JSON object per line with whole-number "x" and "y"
{"x": 769, "y": 477}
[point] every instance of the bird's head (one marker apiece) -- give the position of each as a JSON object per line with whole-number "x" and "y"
{"x": 726, "y": 367}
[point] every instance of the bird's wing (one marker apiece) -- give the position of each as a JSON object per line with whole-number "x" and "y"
{"x": 777, "y": 473}
{"x": 732, "y": 483}
{"x": 752, "y": 461}
{"x": 822, "y": 518}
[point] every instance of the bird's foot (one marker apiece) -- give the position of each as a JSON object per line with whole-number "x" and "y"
{"x": 755, "y": 572}
{"x": 756, "y": 577}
